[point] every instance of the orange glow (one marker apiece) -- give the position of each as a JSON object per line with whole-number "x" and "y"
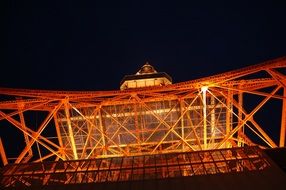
{"x": 181, "y": 117}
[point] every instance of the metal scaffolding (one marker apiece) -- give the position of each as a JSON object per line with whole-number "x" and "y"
{"x": 139, "y": 128}
{"x": 204, "y": 114}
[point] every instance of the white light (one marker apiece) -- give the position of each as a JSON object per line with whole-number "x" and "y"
{"x": 204, "y": 88}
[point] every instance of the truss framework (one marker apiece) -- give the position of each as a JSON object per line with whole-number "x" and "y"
{"x": 207, "y": 113}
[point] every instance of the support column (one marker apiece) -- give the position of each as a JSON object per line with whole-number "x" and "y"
{"x": 71, "y": 135}
{"x": 23, "y": 126}
{"x": 204, "y": 92}
{"x": 228, "y": 115}
{"x": 182, "y": 122}
{"x": 212, "y": 119}
{"x": 102, "y": 132}
{"x": 283, "y": 121}
{"x": 59, "y": 137}
{"x": 137, "y": 127}
{"x": 240, "y": 116}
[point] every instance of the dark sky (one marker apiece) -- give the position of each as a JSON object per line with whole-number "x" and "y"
{"x": 79, "y": 45}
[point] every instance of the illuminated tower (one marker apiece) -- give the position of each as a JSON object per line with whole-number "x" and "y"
{"x": 146, "y": 76}
{"x": 149, "y": 129}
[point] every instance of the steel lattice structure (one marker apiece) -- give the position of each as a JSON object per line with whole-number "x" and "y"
{"x": 204, "y": 114}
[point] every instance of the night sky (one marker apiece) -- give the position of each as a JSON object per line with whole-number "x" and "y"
{"x": 78, "y": 45}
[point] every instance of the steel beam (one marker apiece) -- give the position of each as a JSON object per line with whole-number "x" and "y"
{"x": 204, "y": 99}
{"x": 3, "y": 153}
{"x": 283, "y": 121}
{"x": 70, "y": 130}
{"x": 23, "y": 124}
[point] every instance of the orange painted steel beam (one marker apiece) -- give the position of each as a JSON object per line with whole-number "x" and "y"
{"x": 283, "y": 121}
{"x": 70, "y": 129}
{"x": 229, "y": 100}
{"x": 204, "y": 100}
{"x": 60, "y": 140}
{"x": 22, "y": 120}
{"x": 3, "y": 154}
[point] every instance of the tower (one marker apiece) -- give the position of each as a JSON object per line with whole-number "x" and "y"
{"x": 149, "y": 129}
{"x": 146, "y": 76}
